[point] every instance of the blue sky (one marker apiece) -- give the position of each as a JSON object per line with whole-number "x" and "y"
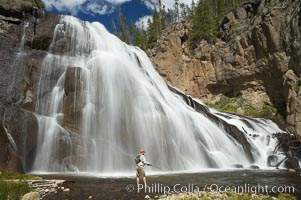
{"x": 136, "y": 11}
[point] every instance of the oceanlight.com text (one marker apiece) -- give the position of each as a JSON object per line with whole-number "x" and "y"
{"x": 182, "y": 188}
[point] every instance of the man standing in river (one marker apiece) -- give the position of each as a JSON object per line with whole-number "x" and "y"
{"x": 140, "y": 162}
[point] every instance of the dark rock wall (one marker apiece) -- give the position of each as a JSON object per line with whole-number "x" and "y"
{"x": 19, "y": 74}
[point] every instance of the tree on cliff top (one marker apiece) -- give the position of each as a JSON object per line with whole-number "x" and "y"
{"x": 204, "y": 19}
{"x": 124, "y": 33}
{"x": 203, "y": 23}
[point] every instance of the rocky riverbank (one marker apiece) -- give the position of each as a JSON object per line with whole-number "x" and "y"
{"x": 46, "y": 189}
{"x": 100, "y": 188}
{"x": 12, "y": 186}
{"x": 224, "y": 196}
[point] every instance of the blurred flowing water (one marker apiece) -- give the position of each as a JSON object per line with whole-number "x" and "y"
{"x": 100, "y": 101}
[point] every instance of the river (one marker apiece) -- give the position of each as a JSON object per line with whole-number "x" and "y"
{"x": 84, "y": 185}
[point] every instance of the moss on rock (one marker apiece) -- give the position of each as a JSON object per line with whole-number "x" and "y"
{"x": 237, "y": 105}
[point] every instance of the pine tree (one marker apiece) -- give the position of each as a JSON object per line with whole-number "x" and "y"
{"x": 114, "y": 27}
{"x": 124, "y": 34}
{"x": 136, "y": 36}
{"x": 162, "y": 15}
{"x": 204, "y": 25}
{"x": 154, "y": 29}
{"x": 176, "y": 11}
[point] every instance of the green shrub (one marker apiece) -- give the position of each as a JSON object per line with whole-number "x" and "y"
{"x": 13, "y": 190}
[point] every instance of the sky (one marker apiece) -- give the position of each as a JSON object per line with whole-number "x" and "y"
{"x": 103, "y": 11}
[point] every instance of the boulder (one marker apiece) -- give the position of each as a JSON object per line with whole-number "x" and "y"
{"x": 239, "y": 166}
{"x": 272, "y": 160}
{"x": 292, "y": 163}
{"x": 254, "y": 167}
{"x": 31, "y": 196}
{"x": 241, "y": 13}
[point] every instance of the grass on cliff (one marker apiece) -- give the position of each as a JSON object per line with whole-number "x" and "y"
{"x": 238, "y": 106}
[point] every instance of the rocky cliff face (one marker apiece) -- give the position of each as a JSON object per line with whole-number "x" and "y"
{"x": 24, "y": 39}
{"x": 257, "y": 58}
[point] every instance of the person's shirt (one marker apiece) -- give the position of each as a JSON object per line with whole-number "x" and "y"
{"x": 142, "y": 161}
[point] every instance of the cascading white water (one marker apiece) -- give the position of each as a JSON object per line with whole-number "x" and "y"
{"x": 259, "y": 130}
{"x": 119, "y": 105}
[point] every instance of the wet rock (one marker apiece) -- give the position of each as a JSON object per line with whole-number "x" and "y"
{"x": 16, "y": 9}
{"x": 292, "y": 170}
{"x": 74, "y": 80}
{"x": 23, "y": 127}
{"x": 31, "y": 196}
{"x": 272, "y": 160}
{"x": 238, "y": 166}
{"x": 60, "y": 47}
{"x": 4, "y": 143}
{"x": 74, "y": 101}
{"x": 73, "y": 105}
{"x": 14, "y": 164}
{"x": 292, "y": 163}
{"x": 254, "y": 167}
{"x": 44, "y": 32}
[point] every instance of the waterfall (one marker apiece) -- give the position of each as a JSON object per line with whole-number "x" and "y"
{"x": 22, "y": 42}
{"x": 100, "y": 101}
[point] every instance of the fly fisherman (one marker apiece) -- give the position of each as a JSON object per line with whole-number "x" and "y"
{"x": 140, "y": 162}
